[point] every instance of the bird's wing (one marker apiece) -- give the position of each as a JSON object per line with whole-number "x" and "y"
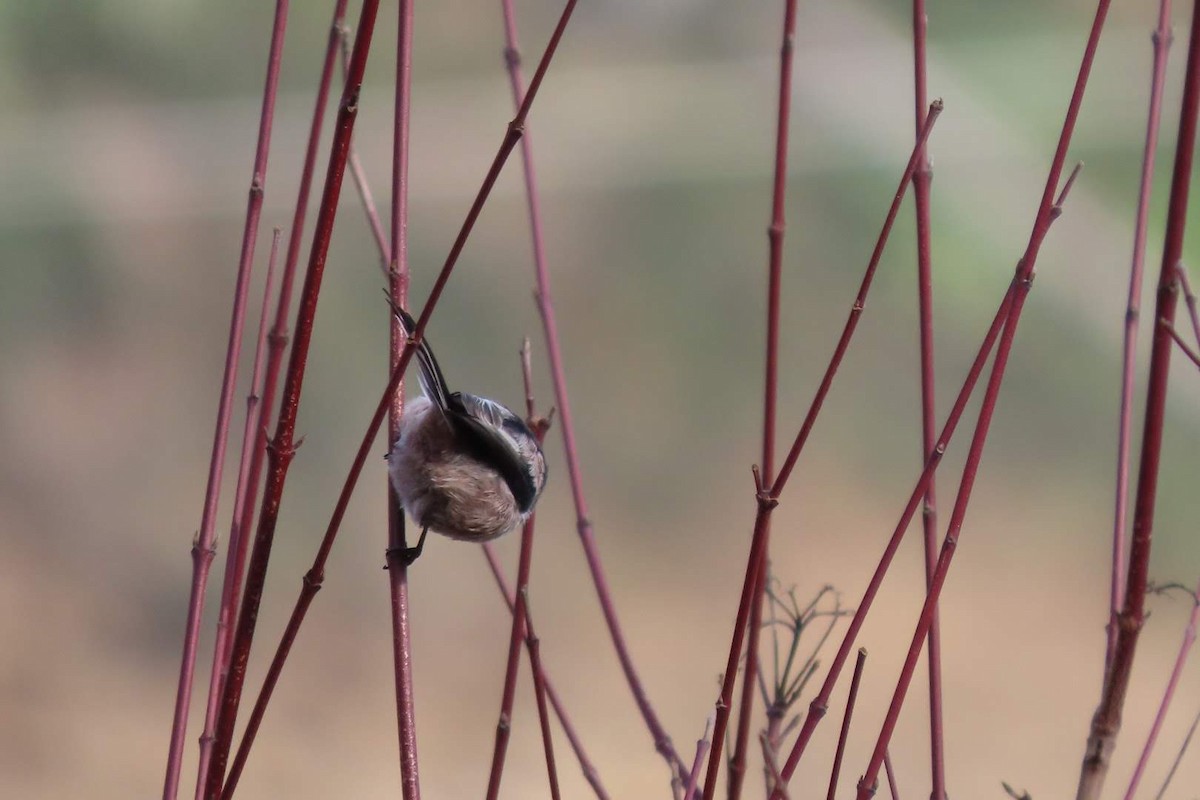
{"x": 495, "y": 429}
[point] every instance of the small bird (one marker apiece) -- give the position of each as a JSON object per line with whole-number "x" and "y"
{"x": 463, "y": 466}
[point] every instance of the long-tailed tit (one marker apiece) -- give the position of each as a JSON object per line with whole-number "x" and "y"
{"x": 461, "y": 465}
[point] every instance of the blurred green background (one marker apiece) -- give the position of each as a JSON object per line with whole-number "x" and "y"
{"x": 125, "y": 151}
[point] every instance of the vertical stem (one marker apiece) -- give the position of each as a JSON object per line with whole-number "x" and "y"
{"x": 845, "y": 732}
{"x": 539, "y": 689}
{"x": 278, "y": 338}
{"x": 517, "y": 631}
{"x": 232, "y": 562}
{"x": 204, "y": 547}
{"x": 1187, "y": 740}
{"x": 1185, "y": 646}
{"x": 1162, "y": 44}
{"x": 768, "y": 494}
{"x": 282, "y": 447}
{"x": 1107, "y": 720}
{"x": 398, "y": 287}
{"x": 585, "y": 764}
{"x": 702, "y": 745}
{"x": 891, "y": 776}
{"x": 545, "y": 304}
{"x": 921, "y": 185}
{"x": 775, "y": 234}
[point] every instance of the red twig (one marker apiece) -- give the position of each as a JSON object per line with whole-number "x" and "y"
{"x": 820, "y": 703}
{"x": 277, "y": 340}
{"x": 1107, "y": 719}
{"x": 702, "y": 745}
{"x": 775, "y": 234}
{"x": 524, "y": 565}
{"x": 585, "y": 764}
{"x": 204, "y": 547}
{"x": 891, "y": 775}
{"x": 220, "y": 664}
{"x": 539, "y": 689}
{"x": 768, "y": 496}
{"x": 779, "y": 785}
{"x": 1023, "y": 281}
{"x": 398, "y": 274}
{"x": 1162, "y": 44}
{"x": 312, "y": 580}
{"x": 1192, "y": 355}
{"x": 545, "y": 304}
{"x": 1190, "y": 298}
{"x": 359, "y": 174}
{"x": 1187, "y": 740}
{"x": 845, "y": 732}
{"x": 283, "y": 447}
{"x": 1185, "y": 646}
{"x": 922, "y": 179}
{"x": 310, "y": 585}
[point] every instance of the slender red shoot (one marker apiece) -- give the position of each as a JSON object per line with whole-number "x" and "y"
{"x": 845, "y": 732}
{"x": 204, "y": 547}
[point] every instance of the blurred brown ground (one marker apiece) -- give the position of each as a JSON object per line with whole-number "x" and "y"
{"x": 125, "y": 149}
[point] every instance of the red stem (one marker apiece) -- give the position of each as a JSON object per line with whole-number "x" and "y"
{"x": 1162, "y": 44}
{"x": 922, "y": 179}
{"x": 232, "y": 563}
{"x": 545, "y": 304}
{"x": 891, "y": 776}
{"x": 278, "y": 339}
{"x": 315, "y": 576}
{"x": 845, "y": 732}
{"x": 310, "y": 585}
{"x": 585, "y": 764}
{"x": 768, "y": 497}
{"x": 398, "y": 272}
{"x": 775, "y": 234}
{"x": 1107, "y": 719}
{"x": 204, "y": 548}
{"x": 820, "y": 703}
{"x": 1185, "y": 646}
{"x": 517, "y": 631}
{"x": 1190, "y": 298}
{"x": 702, "y": 745}
{"x": 1048, "y": 210}
{"x": 1192, "y": 355}
{"x": 282, "y": 447}
{"x": 539, "y": 688}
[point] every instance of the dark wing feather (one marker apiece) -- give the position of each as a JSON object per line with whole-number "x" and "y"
{"x": 495, "y": 431}
{"x": 432, "y": 381}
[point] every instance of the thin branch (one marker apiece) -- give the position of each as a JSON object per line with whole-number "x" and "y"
{"x": 283, "y": 446}
{"x": 820, "y": 704}
{"x": 1185, "y": 647}
{"x": 1162, "y": 45}
{"x": 539, "y": 684}
{"x": 1190, "y": 298}
{"x": 845, "y": 732}
{"x": 702, "y": 745}
{"x": 778, "y": 784}
{"x": 204, "y": 547}
{"x": 398, "y": 272}
{"x": 1107, "y": 720}
{"x": 1192, "y": 355}
{"x": 545, "y": 304}
{"x": 775, "y": 234}
{"x": 235, "y": 558}
{"x": 361, "y": 184}
{"x": 517, "y": 631}
{"x": 768, "y": 496}
{"x": 891, "y": 775}
{"x": 585, "y": 764}
{"x": 1187, "y": 740}
{"x": 1047, "y": 213}
{"x": 922, "y": 179}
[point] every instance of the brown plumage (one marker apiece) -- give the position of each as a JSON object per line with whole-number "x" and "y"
{"x": 443, "y": 487}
